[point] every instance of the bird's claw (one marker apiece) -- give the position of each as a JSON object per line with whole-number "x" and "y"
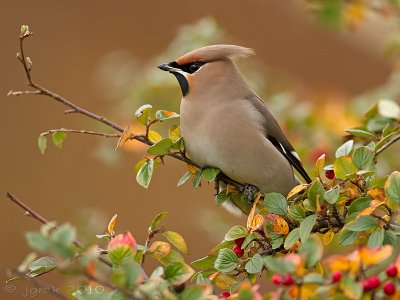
{"x": 249, "y": 191}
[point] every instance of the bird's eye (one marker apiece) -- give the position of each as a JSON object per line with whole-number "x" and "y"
{"x": 194, "y": 67}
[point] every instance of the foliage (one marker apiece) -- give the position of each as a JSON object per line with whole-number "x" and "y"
{"x": 347, "y": 204}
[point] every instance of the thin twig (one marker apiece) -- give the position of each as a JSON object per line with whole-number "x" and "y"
{"x": 112, "y": 135}
{"x": 387, "y": 145}
{"x": 43, "y": 220}
{"x": 43, "y": 286}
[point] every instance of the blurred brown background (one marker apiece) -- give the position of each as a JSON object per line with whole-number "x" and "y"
{"x": 72, "y": 38}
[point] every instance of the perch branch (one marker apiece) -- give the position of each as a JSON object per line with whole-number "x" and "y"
{"x": 108, "y": 135}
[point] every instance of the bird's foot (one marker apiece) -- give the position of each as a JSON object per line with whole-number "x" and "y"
{"x": 249, "y": 191}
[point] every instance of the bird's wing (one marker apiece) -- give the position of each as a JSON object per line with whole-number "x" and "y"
{"x": 275, "y": 135}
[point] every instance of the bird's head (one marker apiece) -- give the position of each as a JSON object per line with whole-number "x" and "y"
{"x": 204, "y": 64}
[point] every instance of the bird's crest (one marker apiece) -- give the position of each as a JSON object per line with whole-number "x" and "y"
{"x": 215, "y": 52}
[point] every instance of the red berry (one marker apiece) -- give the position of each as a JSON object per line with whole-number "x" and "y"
{"x": 391, "y": 271}
{"x": 389, "y": 288}
{"x": 330, "y": 174}
{"x": 239, "y": 241}
{"x": 224, "y": 295}
{"x": 336, "y": 276}
{"x": 238, "y": 251}
{"x": 276, "y": 279}
{"x": 288, "y": 280}
{"x": 366, "y": 285}
{"x": 374, "y": 282}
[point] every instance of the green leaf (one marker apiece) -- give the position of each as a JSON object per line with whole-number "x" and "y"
{"x": 276, "y": 240}
{"x": 389, "y": 109}
{"x": 161, "y": 147}
{"x": 376, "y": 238}
{"x": 348, "y": 237}
{"x": 332, "y": 195}
{"x": 362, "y": 223}
{"x": 177, "y": 240}
{"x": 226, "y": 261}
{"x": 363, "y": 158}
{"x": 145, "y": 173}
{"x": 306, "y": 226}
{"x": 277, "y": 265}
{"x": 248, "y": 240}
{"x": 59, "y": 138}
{"x": 37, "y": 241}
{"x": 42, "y": 143}
{"x": 392, "y": 189}
{"x": 276, "y": 204}
{"x": 297, "y": 213}
{"x": 343, "y": 167}
{"x": 221, "y": 197}
{"x": 236, "y": 232}
{"x": 359, "y": 204}
{"x": 143, "y": 113}
{"x": 64, "y": 234}
{"x": 316, "y": 193}
{"x": 43, "y": 264}
{"x": 197, "y": 292}
{"x": 156, "y": 221}
{"x": 312, "y": 250}
{"x": 344, "y": 149}
{"x": 351, "y": 287}
{"x": 361, "y": 133}
{"x": 165, "y": 115}
{"x": 172, "y": 258}
{"x": 205, "y": 263}
{"x": 292, "y": 238}
{"x": 210, "y": 174}
{"x": 377, "y": 124}
{"x": 197, "y": 180}
{"x": 178, "y": 273}
{"x": 255, "y": 264}
{"x": 120, "y": 254}
{"x": 184, "y": 178}
{"x": 222, "y": 245}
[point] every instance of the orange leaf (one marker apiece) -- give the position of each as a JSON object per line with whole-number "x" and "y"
{"x": 280, "y": 226}
{"x": 126, "y": 135}
{"x": 371, "y": 208}
{"x": 111, "y": 225}
{"x": 377, "y": 194}
{"x": 371, "y": 257}
{"x": 255, "y": 221}
{"x": 192, "y": 169}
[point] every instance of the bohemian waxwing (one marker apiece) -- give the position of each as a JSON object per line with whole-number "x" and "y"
{"x": 225, "y": 124}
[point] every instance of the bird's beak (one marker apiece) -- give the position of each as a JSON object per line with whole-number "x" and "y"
{"x": 168, "y": 67}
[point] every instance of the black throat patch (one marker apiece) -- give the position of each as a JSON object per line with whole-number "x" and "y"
{"x": 184, "y": 84}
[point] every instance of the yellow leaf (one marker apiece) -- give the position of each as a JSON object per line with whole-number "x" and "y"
{"x": 319, "y": 165}
{"x": 192, "y": 169}
{"x": 174, "y": 133}
{"x": 154, "y": 136}
{"x": 354, "y": 14}
{"x": 319, "y": 268}
{"x": 254, "y": 221}
{"x": 372, "y": 256}
{"x": 177, "y": 240}
{"x": 305, "y": 291}
{"x": 159, "y": 249}
{"x": 371, "y": 208}
{"x": 338, "y": 263}
{"x": 377, "y": 194}
{"x": 111, "y": 225}
{"x": 296, "y": 190}
{"x": 224, "y": 281}
{"x": 126, "y": 135}
{"x": 327, "y": 237}
{"x": 230, "y": 189}
{"x": 281, "y": 226}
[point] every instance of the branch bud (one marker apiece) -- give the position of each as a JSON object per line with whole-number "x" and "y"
{"x": 19, "y": 56}
{"x": 25, "y": 31}
{"x": 29, "y": 63}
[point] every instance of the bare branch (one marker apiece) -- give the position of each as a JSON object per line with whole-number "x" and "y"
{"x": 107, "y": 135}
{"x": 387, "y": 145}
{"x": 30, "y": 212}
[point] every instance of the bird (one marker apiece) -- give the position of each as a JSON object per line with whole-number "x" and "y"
{"x": 225, "y": 124}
